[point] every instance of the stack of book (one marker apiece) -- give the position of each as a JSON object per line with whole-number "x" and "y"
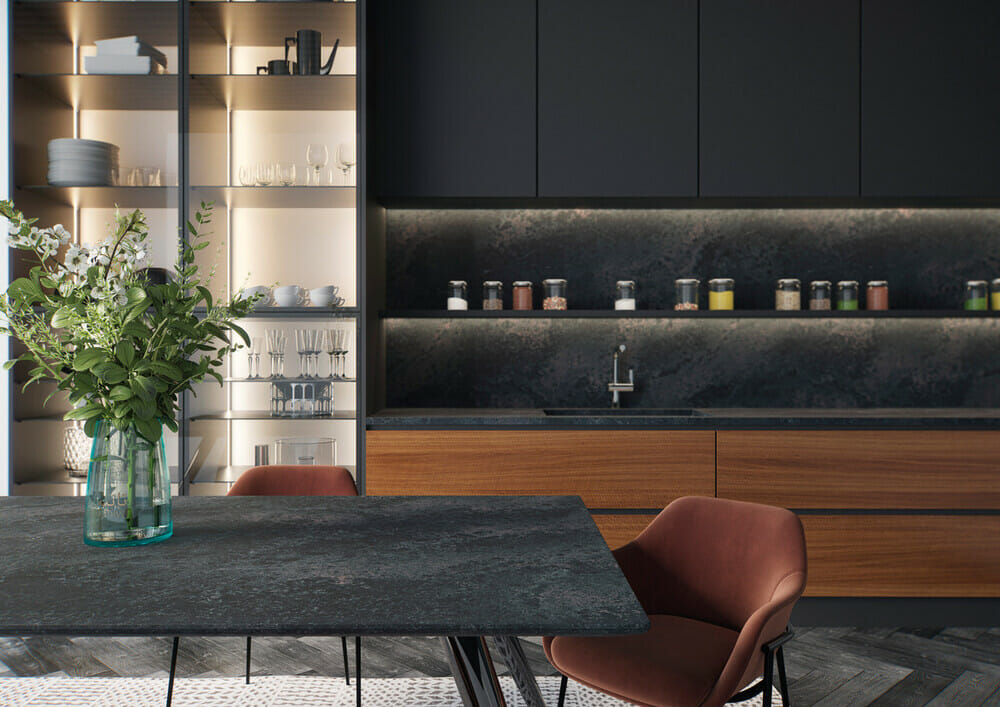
{"x": 125, "y": 55}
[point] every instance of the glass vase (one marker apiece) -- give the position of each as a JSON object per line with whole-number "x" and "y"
{"x": 128, "y": 490}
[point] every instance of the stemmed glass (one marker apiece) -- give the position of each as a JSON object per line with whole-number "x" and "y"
{"x": 317, "y": 156}
{"x": 315, "y": 347}
{"x": 300, "y": 349}
{"x": 276, "y": 349}
{"x": 342, "y": 350}
{"x": 346, "y": 159}
{"x": 330, "y": 346}
{"x": 253, "y": 357}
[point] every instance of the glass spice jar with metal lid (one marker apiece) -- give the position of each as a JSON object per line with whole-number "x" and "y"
{"x": 976, "y": 295}
{"x": 720, "y": 293}
{"x": 995, "y": 293}
{"x": 521, "y": 295}
{"x": 820, "y": 295}
{"x": 625, "y": 294}
{"x": 457, "y": 294}
{"x": 847, "y": 296}
{"x": 555, "y": 294}
{"x": 492, "y": 295}
{"x": 788, "y": 294}
{"x": 877, "y": 295}
{"x": 686, "y": 294}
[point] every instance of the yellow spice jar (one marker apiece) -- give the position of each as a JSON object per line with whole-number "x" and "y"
{"x": 720, "y": 293}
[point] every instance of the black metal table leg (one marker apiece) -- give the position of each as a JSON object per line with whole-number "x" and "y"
{"x": 248, "y": 659}
{"x": 475, "y": 676}
{"x": 509, "y": 648}
{"x": 173, "y": 670}
{"x": 357, "y": 667}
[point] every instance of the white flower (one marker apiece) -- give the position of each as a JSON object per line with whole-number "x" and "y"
{"x": 61, "y": 233}
{"x": 13, "y": 229}
{"x": 77, "y": 260}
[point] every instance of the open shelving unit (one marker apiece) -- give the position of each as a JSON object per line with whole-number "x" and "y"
{"x": 671, "y": 314}
{"x": 198, "y": 123}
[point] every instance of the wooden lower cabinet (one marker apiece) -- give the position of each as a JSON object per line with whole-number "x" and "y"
{"x": 903, "y": 555}
{"x": 926, "y": 469}
{"x": 615, "y": 469}
{"x": 621, "y": 529}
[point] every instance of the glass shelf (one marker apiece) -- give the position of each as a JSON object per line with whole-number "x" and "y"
{"x": 229, "y": 474}
{"x": 671, "y": 314}
{"x": 289, "y": 380}
{"x": 108, "y": 197}
{"x": 264, "y": 415}
{"x": 155, "y": 22}
{"x": 294, "y": 197}
{"x": 297, "y": 312}
{"x": 289, "y": 93}
{"x": 108, "y": 91}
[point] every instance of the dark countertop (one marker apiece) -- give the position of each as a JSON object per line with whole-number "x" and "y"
{"x": 704, "y": 419}
{"x": 286, "y": 565}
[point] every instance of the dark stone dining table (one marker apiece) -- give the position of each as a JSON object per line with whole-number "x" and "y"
{"x": 460, "y": 567}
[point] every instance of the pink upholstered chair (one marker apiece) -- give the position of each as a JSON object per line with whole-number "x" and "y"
{"x": 718, "y": 579}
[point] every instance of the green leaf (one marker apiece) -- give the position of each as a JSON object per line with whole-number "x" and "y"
{"x": 149, "y": 429}
{"x": 120, "y": 393}
{"x": 143, "y": 387}
{"x": 90, "y": 427}
{"x": 64, "y": 317}
{"x": 90, "y": 411}
{"x": 88, "y": 359}
{"x": 110, "y": 373}
{"x": 125, "y": 353}
{"x": 7, "y": 365}
{"x": 166, "y": 369}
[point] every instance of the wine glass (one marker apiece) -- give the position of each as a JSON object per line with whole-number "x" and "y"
{"x": 317, "y": 156}
{"x": 330, "y": 346}
{"x": 276, "y": 349}
{"x": 343, "y": 350}
{"x": 256, "y": 344}
{"x": 346, "y": 159}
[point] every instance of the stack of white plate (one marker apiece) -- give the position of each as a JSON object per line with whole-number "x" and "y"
{"x": 82, "y": 163}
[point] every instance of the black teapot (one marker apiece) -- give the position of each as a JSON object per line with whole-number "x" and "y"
{"x": 308, "y": 47}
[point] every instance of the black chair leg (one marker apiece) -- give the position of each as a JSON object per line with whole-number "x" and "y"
{"x": 173, "y": 670}
{"x": 347, "y": 672}
{"x": 768, "y": 678}
{"x": 782, "y": 678}
{"x": 248, "y": 659}
{"x": 357, "y": 667}
{"x": 562, "y": 690}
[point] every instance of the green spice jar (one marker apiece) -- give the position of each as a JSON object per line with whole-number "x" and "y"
{"x": 975, "y": 295}
{"x": 847, "y": 295}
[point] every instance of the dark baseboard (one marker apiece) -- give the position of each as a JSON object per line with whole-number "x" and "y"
{"x": 910, "y": 612}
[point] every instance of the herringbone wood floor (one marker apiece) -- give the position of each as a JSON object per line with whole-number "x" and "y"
{"x": 828, "y": 667}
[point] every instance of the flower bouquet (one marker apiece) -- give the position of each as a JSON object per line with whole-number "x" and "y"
{"x": 124, "y": 349}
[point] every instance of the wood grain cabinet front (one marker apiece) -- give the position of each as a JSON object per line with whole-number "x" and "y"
{"x": 609, "y": 469}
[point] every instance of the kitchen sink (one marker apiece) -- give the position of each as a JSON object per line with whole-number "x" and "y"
{"x": 623, "y": 412}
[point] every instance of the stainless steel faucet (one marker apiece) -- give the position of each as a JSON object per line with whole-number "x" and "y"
{"x": 616, "y": 386}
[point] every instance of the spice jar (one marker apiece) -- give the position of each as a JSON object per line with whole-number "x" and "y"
{"x": 522, "y": 295}
{"x": 720, "y": 293}
{"x": 555, "y": 294}
{"x": 686, "y": 294}
{"x": 847, "y": 295}
{"x": 788, "y": 294}
{"x": 995, "y": 293}
{"x": 625, "y": 294}
{"x": 492, "y": 295}
{"x": 819, "y": 295}
{"x": 877, "y": 295}
{"x": 457, "y": 298}
{"x": 975, "y": 295}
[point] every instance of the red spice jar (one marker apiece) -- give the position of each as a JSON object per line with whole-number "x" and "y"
{"x": 877, "y": 295}
{"x": 522, "y": 295}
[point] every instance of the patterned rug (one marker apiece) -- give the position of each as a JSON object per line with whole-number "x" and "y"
{"x": 273, "y": 691}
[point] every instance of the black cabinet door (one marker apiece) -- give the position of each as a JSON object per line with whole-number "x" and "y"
{"x": 454, "y": 84}
{"x": 779, "y": 98}
{"x": 617, "y": 97}
{"x": 930, "y": 103}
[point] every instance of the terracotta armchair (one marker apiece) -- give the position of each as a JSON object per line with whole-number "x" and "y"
{"x": 718, "y": 579}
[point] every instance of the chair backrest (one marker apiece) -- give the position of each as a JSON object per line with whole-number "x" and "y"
{"x": 279, "y": 480}
{"x": 716, "y": 560}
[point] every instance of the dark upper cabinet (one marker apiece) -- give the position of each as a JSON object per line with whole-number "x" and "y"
{"x": 779, "y": 97}
{"x": 454, "y": 98}
{"x": 930, "y": 103}
{"x": 617, "y": 97}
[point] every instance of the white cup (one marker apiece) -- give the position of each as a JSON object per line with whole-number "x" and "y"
{"x": 250, "y": 292}
{"x": 288, "y": 296}
{"x": 323, "y": 296}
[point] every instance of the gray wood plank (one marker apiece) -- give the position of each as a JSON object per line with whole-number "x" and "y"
{"x": 71, "y": 658}
{"x": 968, "y": 688}
{"x": 864, "y": 688}
{"x": 817, "y": 684}
{"x": 913, "y": 691}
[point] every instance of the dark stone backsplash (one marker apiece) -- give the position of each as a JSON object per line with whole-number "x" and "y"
{"x": 695, "y": 362}
{"x": 925, "y": 254}
{"x": 864, "y": 362}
